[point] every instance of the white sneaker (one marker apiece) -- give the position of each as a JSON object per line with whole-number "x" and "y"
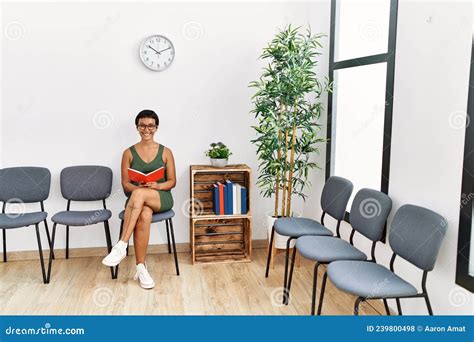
{"x": 118, "y": 253}
{"x": 146, "y": 281}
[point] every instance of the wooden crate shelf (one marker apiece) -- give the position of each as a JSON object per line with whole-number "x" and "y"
{"x": 218, "y": 238}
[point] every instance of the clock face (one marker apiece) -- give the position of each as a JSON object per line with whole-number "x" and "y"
{"x": 157, "y": 52}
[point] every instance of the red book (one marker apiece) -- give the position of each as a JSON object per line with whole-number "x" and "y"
{"x": 141, "y": 177}
{"x": 221, "y": 198}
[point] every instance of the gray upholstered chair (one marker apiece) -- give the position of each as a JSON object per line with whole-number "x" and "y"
{"x": 20, "y": 185}
{"x": 368, "y": 216}
{"x": 84, "y": 183}
{"x": 166, "y": 216}
{"x": 416, "y": 235}
{"x": 336, "y": 194}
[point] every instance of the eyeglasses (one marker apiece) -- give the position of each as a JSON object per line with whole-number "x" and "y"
{"x": 150, "y": 127}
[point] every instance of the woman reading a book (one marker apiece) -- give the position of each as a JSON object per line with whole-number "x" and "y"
{"x": 148, "y": 175}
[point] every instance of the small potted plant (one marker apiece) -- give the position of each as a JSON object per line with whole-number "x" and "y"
{"x": 219, "y": 154}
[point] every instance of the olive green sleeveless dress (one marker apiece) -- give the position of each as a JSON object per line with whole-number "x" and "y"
{"x": 139, "y": 165}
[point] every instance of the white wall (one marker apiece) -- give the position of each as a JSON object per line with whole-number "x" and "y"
{"x": 73, "y": 83}
{"x": 431, "y": 88}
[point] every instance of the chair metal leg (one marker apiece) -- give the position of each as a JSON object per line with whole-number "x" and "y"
{"x": 356, "y": 305}
{"x": 286, "y": 293}
{"x": 399, "y": 306}
{"x": 49, "y": 236}
{"x": 67, "y": 242}
{"x": 4, "y": 245}
{"x": 51, "y": 251}
{"x": 269, "y": 252}
{"x": 385, "y": 304}
{"x": 321, "y": 295}
{"x": 109, "y": 245}
{"x": 120, "y": 235}
{"x": 174, "y": 247}
{"x": 40, "y": 250}
{"x": 168, "y": 236}
{"x": 287, "y": 257}
{"x": 428, "y": 304}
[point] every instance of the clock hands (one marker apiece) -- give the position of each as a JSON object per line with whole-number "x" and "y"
{"x": 165, "y": 49}
{"x": 158, "y": 52}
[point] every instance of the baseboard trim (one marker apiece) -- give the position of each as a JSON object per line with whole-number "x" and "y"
{"x": 101, "y": 251}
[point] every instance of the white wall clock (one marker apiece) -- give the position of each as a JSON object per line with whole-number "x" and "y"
{"x": 157, "y": 52}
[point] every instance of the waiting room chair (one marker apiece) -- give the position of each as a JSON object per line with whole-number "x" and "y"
{"x": 334, "y": 198}
{"x": 21, "y": 185}
{"x": 368, "y": 216}
{"x": 416, "y": 235}
{"x": 84, "y": 183}
{"x": 166, "y": 216}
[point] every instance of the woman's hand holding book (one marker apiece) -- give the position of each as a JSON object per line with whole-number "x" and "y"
{"x": 151, "y": 185}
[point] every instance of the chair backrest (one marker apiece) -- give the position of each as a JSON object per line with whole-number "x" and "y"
{"x": 416, "y": 234}
{"x": 27, "y": 184}
{"x": 86, "y": 182}
{"x": 369, "y": 212}
{"x": 336, "y": 194}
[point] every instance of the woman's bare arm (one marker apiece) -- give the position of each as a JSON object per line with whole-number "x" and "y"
{"x": 126, "y": 160}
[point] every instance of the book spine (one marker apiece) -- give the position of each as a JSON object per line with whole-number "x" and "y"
{"x": 244, "y": 200}
{"x": 238, "y": 189}
{"x": 221, "y": 198}
{"x": 215, "y": 199}
{"x": 234, "y": 199}
{"x": 226, "y": 199}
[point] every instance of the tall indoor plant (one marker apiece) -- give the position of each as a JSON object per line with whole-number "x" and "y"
{"x": 287, "y": 107}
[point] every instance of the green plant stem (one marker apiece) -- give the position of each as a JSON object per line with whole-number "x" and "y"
{"x": 277, "y": 182}
{"x": 284, "y": 195}
{"x": 290, "y": 177}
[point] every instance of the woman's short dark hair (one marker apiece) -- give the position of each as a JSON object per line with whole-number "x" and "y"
{"x": 147, "y": 113}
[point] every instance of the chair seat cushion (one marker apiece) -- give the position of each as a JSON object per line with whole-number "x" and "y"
{"x": 81, "y": 218}
{"x": 157, "y": 217}
{"x": 368, "y": 279}
{"x": 14, "y": 220}
{"x": 327, "y": 249}
{"x": 300, "y": 226}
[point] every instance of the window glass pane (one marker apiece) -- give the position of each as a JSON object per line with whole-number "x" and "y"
{"x": 361, "y": 28}
{"x": 358, "y": 119}
{"x": 471, "y": 251}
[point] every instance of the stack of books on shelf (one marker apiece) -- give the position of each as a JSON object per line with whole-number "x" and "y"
{"x": 229, "y": 198}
